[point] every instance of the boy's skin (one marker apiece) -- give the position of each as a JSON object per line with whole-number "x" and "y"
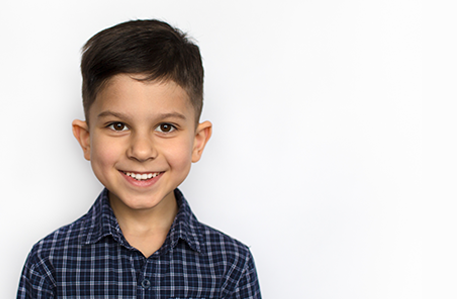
{"x": 142, "y": 95}
{"x": 142, "y": 127}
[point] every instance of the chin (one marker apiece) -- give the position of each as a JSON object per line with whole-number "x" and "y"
{"x": 139, "y": 203}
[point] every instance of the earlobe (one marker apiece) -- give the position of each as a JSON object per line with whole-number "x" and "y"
{"x": 81, "y": 133}
{"x": 202, "y": 135}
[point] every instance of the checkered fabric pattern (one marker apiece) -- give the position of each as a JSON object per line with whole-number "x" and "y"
{"x": 90, "y": 258}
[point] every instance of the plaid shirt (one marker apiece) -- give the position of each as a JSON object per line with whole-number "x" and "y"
{"x": 90, "y": 258}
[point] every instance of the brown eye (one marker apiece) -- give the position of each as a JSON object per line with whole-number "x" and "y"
{"x": 165, "y": 128}
{"x": 118, "y": 126}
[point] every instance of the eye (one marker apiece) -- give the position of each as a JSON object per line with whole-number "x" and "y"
{"x": 117, "y": 126}
{"x": 165, "y": 128}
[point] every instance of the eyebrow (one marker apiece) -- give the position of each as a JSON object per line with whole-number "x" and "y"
{"x": 110, "y": 113}
{"x": 124, "y": 116}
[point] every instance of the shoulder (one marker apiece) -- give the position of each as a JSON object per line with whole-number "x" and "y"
{"x": 38, "y": 272}
{"x": 204, "y": 238}
{"x": 218, "y": 250}
{"x": 224, "y": 248}
{"x": 215, "y": 240}
{"x": 64, "y": 239}
{"x": 234, "y": 260}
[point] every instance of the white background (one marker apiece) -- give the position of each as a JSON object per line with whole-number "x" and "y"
{"x": 333, "y": 155}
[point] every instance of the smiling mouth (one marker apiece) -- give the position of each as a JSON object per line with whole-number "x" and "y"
{"x": 142, "y": 176}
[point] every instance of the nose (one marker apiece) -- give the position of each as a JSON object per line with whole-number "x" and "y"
{"x": 141, "y": 147}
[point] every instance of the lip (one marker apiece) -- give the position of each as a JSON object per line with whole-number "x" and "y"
{"x": 142, "y": 183}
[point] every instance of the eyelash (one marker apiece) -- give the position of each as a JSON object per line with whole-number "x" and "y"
{"x": 125, "y": 127}
{"x": 172, "y": 128}
{"x": 111, "y": 126}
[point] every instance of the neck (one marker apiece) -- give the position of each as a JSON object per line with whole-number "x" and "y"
{"x": 145, "y": 229}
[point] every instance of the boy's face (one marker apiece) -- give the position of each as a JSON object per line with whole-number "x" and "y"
{"x": 142, "y": 140}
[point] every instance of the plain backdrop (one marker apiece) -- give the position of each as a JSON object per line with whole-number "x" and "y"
{"x": 333, "y": 154}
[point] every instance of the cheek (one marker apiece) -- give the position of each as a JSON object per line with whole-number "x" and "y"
{"x": 104, "y": 154}
{"x": 179, "y": 155}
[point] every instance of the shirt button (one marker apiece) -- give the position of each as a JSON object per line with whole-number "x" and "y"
{"x": 145, "y": 283}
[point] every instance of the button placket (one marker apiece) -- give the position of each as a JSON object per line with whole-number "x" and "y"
{"x": 146, "y": 283}
{"x": 145, "y": 279}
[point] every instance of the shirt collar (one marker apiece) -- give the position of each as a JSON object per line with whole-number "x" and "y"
{"x": 100, "y": 222}
{"x": 185, "y": 226}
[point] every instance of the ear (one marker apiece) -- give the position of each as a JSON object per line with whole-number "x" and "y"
{"x": 81, "y": 133}
{"x": 202, "y": 135}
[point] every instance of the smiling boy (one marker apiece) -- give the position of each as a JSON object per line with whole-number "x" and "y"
{"x": 142, "y": 96}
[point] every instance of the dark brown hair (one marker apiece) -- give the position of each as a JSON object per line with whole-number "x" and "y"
{"x": 149, "y": 47}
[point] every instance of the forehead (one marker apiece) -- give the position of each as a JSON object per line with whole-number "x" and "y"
{"x": 131, "y": 94}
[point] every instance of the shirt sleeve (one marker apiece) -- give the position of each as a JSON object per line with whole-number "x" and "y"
{"x": 248, "y": 286}
{"x": 33, "y": 284}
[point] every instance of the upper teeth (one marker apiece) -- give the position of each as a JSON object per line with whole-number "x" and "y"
{"x": 143, "y": 176}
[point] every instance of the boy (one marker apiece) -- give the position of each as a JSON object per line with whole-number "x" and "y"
{"x": 142, "y": 95}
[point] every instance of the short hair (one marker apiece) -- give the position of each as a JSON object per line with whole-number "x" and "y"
{"x": 149, "y": 47}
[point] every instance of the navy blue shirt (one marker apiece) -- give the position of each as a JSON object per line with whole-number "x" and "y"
{"x": 90, "y": 258}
